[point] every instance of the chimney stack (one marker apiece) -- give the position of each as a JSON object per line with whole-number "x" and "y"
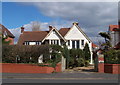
{"x": 50, "y": 27}
{"x": 75, "y": 23}
{"x": 22, "y": 29}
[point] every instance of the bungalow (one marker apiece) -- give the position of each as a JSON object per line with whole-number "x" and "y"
{"x": 114, "y": 32}
{"x": 73, "y": 37}
{"x": 8, "y": 34}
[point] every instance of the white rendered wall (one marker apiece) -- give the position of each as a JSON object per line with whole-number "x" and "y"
{"x": 53, "y": 35}
{"x": 75, "y": 34}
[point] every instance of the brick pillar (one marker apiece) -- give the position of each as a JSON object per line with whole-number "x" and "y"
{"x": 101, "y": 63}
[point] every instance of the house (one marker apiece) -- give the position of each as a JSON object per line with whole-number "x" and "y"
{"x": 114, "y": 32}
{"x": 41, "y": 37}
{"x": 73, "y": 37}
{"x": 76, "y": 38}
{"x": 94, "y": 47}
{"x": 8, "y": 34}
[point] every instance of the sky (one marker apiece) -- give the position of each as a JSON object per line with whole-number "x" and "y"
{"x": 93, "y": 17}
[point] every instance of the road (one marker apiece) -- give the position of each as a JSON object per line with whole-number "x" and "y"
{"x": 82, "y": 77}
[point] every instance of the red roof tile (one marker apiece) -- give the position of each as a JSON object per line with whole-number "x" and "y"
{"x": 114, "y": 27}
{"x": 94, "y": 45}
{"x": 32, "y": 36}
{"x": 63, "y": 31}
{"x": 4, "y": 29}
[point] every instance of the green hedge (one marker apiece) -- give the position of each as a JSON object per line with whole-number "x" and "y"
{"x": 27, "y": 53}
{"x": 112, "y": 56}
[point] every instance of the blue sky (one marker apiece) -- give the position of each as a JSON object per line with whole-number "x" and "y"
{"x": 93, "y": 17}
{"x": 17, "y": 14}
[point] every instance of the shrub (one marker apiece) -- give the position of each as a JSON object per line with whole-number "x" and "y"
{"x": 71, "y": 62}
{"x": 87, "y": 52}
{"x": 81, "y": 62}
{"x": 66, "y": 54}
{"x": 112, "y": 56}
{"x": 86, "y": 63}
{"x": 30, "y": 54}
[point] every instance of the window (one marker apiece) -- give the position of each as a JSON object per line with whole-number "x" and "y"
{"x": 73, "y": 44}
{"x": 82, "y": 42}
{"x": 26, "y": 43}
{"x": 68, "y": 42}
{"x": 57, "y": 42}
{"x": 51, "y": 42}
{"x": 77, "y": 44}
{"x": 37, "y": 43}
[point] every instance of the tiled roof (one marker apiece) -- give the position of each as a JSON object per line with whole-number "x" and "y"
{"x": 32, "y": 36}
{"x": 4, "y": 29}
{"x": 114, "y": 27}
{"x": 63, "y": 31}
{"x": 94, "y": 45}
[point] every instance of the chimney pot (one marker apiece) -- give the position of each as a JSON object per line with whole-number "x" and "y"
{"x": 22, "y": 29}
{"x": 75, "y": 23}
{"x": 50, "y": 27}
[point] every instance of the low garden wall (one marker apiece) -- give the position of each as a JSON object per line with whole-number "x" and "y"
{"x": 109, "y": 68}
{"x": 28, "y": 68}
{"x": 112, "y": 68}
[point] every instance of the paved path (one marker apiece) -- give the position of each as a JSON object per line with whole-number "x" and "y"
{"x": 91, "y": 77}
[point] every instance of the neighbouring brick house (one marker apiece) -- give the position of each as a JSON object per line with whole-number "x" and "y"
{"x": 73, "y": 37}
{"x": 114, "y": 31}
{"x": 8, "y": 34}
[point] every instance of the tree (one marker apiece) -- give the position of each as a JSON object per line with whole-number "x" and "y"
{"x": 86, "y": 51}
{"x": 35, "y": 26}
{"x": 66, "y": 54}
{"x": 107, "y": 38}
{"x": 105, "y": 35}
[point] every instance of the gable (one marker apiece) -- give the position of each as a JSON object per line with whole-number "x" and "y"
{"x": 6, "y": 31}
{"x": 75, "y": 33}
{"x": 53, "y": 35}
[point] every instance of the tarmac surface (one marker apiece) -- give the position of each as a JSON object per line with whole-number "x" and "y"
{"x": 75, "y": 77}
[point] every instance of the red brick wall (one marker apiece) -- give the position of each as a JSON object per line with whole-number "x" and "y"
{"x": 101, "y": 67}
{"x": 112, "y": 68}
{"x": 27, "y": 68}
{"x": 11, "y": 40}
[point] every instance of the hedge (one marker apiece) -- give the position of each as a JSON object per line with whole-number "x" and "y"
{"x": 27, "y": 53}
{"x": 112, "y": 56}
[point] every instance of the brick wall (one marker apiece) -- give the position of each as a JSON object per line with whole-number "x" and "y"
{"x": 27, "y": 68}
{"x": 112, "y": 68}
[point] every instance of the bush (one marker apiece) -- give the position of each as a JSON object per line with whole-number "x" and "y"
{"x": 112, "y": 56}
{"x": 71, "y": 62}
{"x": 86, "y": 63}
{"x": 86, "y": 51}
{"x": 81, "y": 62}
{"x": 30, "y": 54}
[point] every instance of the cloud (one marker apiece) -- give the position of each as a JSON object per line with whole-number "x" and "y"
{"x": 93, "y": 17}
{"x": 28, "y": 27}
